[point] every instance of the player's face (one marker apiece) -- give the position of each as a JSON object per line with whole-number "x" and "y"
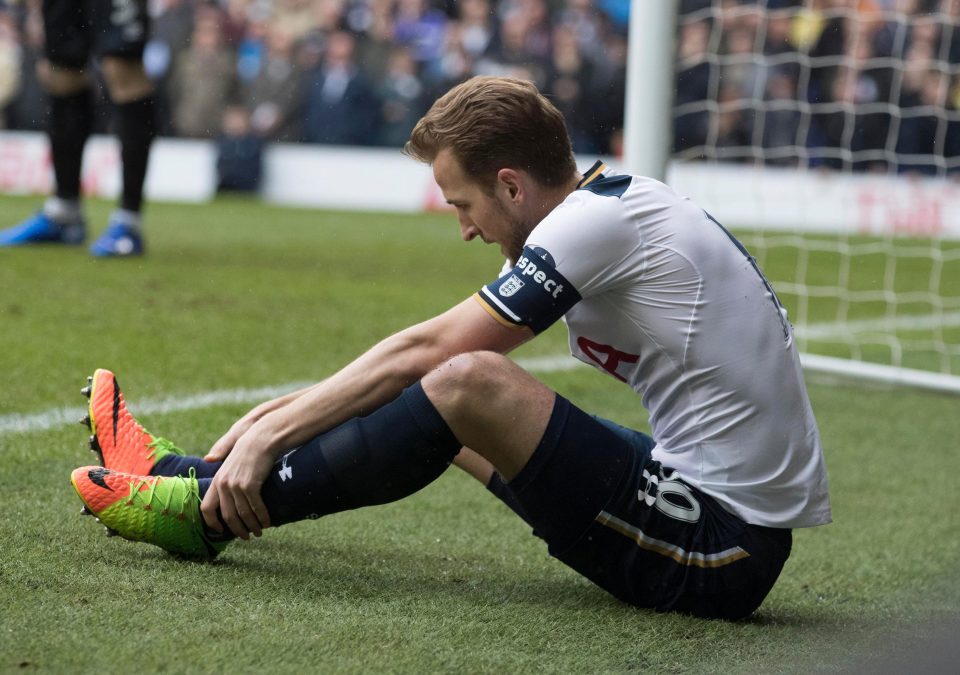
{"x": 492, "y": 217}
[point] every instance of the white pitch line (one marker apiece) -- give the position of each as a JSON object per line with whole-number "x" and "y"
{"x": 59, "y": 417}
{"x": 54, "y": 418}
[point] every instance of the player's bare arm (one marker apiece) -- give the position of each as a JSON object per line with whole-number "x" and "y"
{"x": 373, "y": 379}
{"x": 225, "y": 443}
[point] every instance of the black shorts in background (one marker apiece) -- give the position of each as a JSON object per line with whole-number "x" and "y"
{"x": 77, "y": 30}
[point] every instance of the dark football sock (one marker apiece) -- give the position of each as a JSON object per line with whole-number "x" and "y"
{"x": 176, "y": 465}
{"x": 69, "y": 126}
{"x": 135, "y": 124}
{"x": 388, "y": 455}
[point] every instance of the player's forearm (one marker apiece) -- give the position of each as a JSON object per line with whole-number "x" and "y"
{"x": 265, "y": 408}
{"x": 373, "y": 379}
{"x": 381, "y": 374}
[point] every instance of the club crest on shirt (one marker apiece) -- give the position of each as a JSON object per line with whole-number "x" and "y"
{"x": 510, "y": 286}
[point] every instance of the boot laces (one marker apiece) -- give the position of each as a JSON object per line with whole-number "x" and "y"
{"x": 167, "y": 499}
{"x": 163, "y": 445}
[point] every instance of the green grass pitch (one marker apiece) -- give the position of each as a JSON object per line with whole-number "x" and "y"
{"x": 238, "y": 294}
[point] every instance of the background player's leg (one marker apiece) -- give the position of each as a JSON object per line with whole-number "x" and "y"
{"x": 132, "y": 94}
{"x": 134, "y": 122}
{"x": 69, "y": 123}
{"x": 63, "y": 76}
{"x": 68, "y": 126}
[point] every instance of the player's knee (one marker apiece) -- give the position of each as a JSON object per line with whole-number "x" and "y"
{"x": 61, "y": 80}
{"x": 125, "y": 79}
{"x": 468, "y": 378}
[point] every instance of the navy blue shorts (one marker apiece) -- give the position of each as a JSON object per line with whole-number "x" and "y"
{"x": 78, "y": 29}
{"x": 608, "y": 510}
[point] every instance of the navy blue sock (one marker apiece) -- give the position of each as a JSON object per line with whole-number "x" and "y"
{"x": 176, "y": 465}
{"x": 135, "y": 124}
{"x": 388, "y": 455}
{"x": 69, "y": 126}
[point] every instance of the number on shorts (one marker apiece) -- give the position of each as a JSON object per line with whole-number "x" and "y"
{"x": 668, "y": 495}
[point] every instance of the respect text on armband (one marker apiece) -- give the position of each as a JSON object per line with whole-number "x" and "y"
{"x": 533, "y": 293}
{"x": 529, "y": 268}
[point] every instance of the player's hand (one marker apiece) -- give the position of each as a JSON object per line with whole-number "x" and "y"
{"x": 235, "y": 489}
{"x": 219, "y": 451}
{"x": 224, "y": 445}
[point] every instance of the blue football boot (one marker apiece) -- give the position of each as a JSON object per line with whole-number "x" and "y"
{"x": 41, "y": 228}
{"x": 120, "y": 239}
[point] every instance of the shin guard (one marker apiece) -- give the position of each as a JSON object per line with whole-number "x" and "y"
{"x": 388, "y": 455}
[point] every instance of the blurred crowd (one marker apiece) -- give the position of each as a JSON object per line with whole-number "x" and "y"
{"x": 867, "y": 85}
{"x": 357, "y": 72}
{"x": 857, "y": 84}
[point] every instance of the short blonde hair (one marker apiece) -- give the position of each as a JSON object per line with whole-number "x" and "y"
{"x": 491, "y": 123}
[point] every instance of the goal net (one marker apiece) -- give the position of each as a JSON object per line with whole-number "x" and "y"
{"x": 826, "y": 134}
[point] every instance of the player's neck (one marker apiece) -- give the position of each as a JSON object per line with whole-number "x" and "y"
{"x": 547, "y": 198}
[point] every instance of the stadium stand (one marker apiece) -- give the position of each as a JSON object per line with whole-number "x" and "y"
{"x": 363, "y": 71}
{"x": 305, "y": 69}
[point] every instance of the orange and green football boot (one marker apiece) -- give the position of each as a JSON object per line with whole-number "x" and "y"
{"x": 120, "y": 442}
{"x": 160, "y": 510}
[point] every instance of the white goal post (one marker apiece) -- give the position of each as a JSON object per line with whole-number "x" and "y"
{"x": 839, "y": 170}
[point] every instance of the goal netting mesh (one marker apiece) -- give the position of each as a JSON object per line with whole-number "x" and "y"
{"x": 826, "y": 133}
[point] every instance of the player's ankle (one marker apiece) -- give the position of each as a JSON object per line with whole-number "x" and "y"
{"x": 130, "y": 219}
{"x": 61, "y": 210}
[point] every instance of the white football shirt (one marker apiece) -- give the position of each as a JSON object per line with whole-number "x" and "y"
{"x": 658, "y": 295}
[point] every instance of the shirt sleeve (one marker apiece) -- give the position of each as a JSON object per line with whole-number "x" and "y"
{"x": 582, "y": 248}
{"x": 592, "y": 241}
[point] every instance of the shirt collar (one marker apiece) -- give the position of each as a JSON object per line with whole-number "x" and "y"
{"x": 592, "y": 174}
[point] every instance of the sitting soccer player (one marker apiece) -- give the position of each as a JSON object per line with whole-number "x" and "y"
{"x": 117, "y": 36}
{"x": 654, "y": 292}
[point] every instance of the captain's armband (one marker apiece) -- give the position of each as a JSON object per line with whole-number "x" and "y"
{"x": 532, "y": 294}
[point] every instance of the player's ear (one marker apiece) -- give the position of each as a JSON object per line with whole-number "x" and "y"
{"x": 510, "y": 181}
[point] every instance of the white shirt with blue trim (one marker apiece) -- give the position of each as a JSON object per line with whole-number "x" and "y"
{"x": 658, "y": 295}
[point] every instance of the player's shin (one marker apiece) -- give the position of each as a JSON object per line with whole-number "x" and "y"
{"x": 136, "y": 128}
{"x": 69, "y": 126}
{"x": 388, "y": 455}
